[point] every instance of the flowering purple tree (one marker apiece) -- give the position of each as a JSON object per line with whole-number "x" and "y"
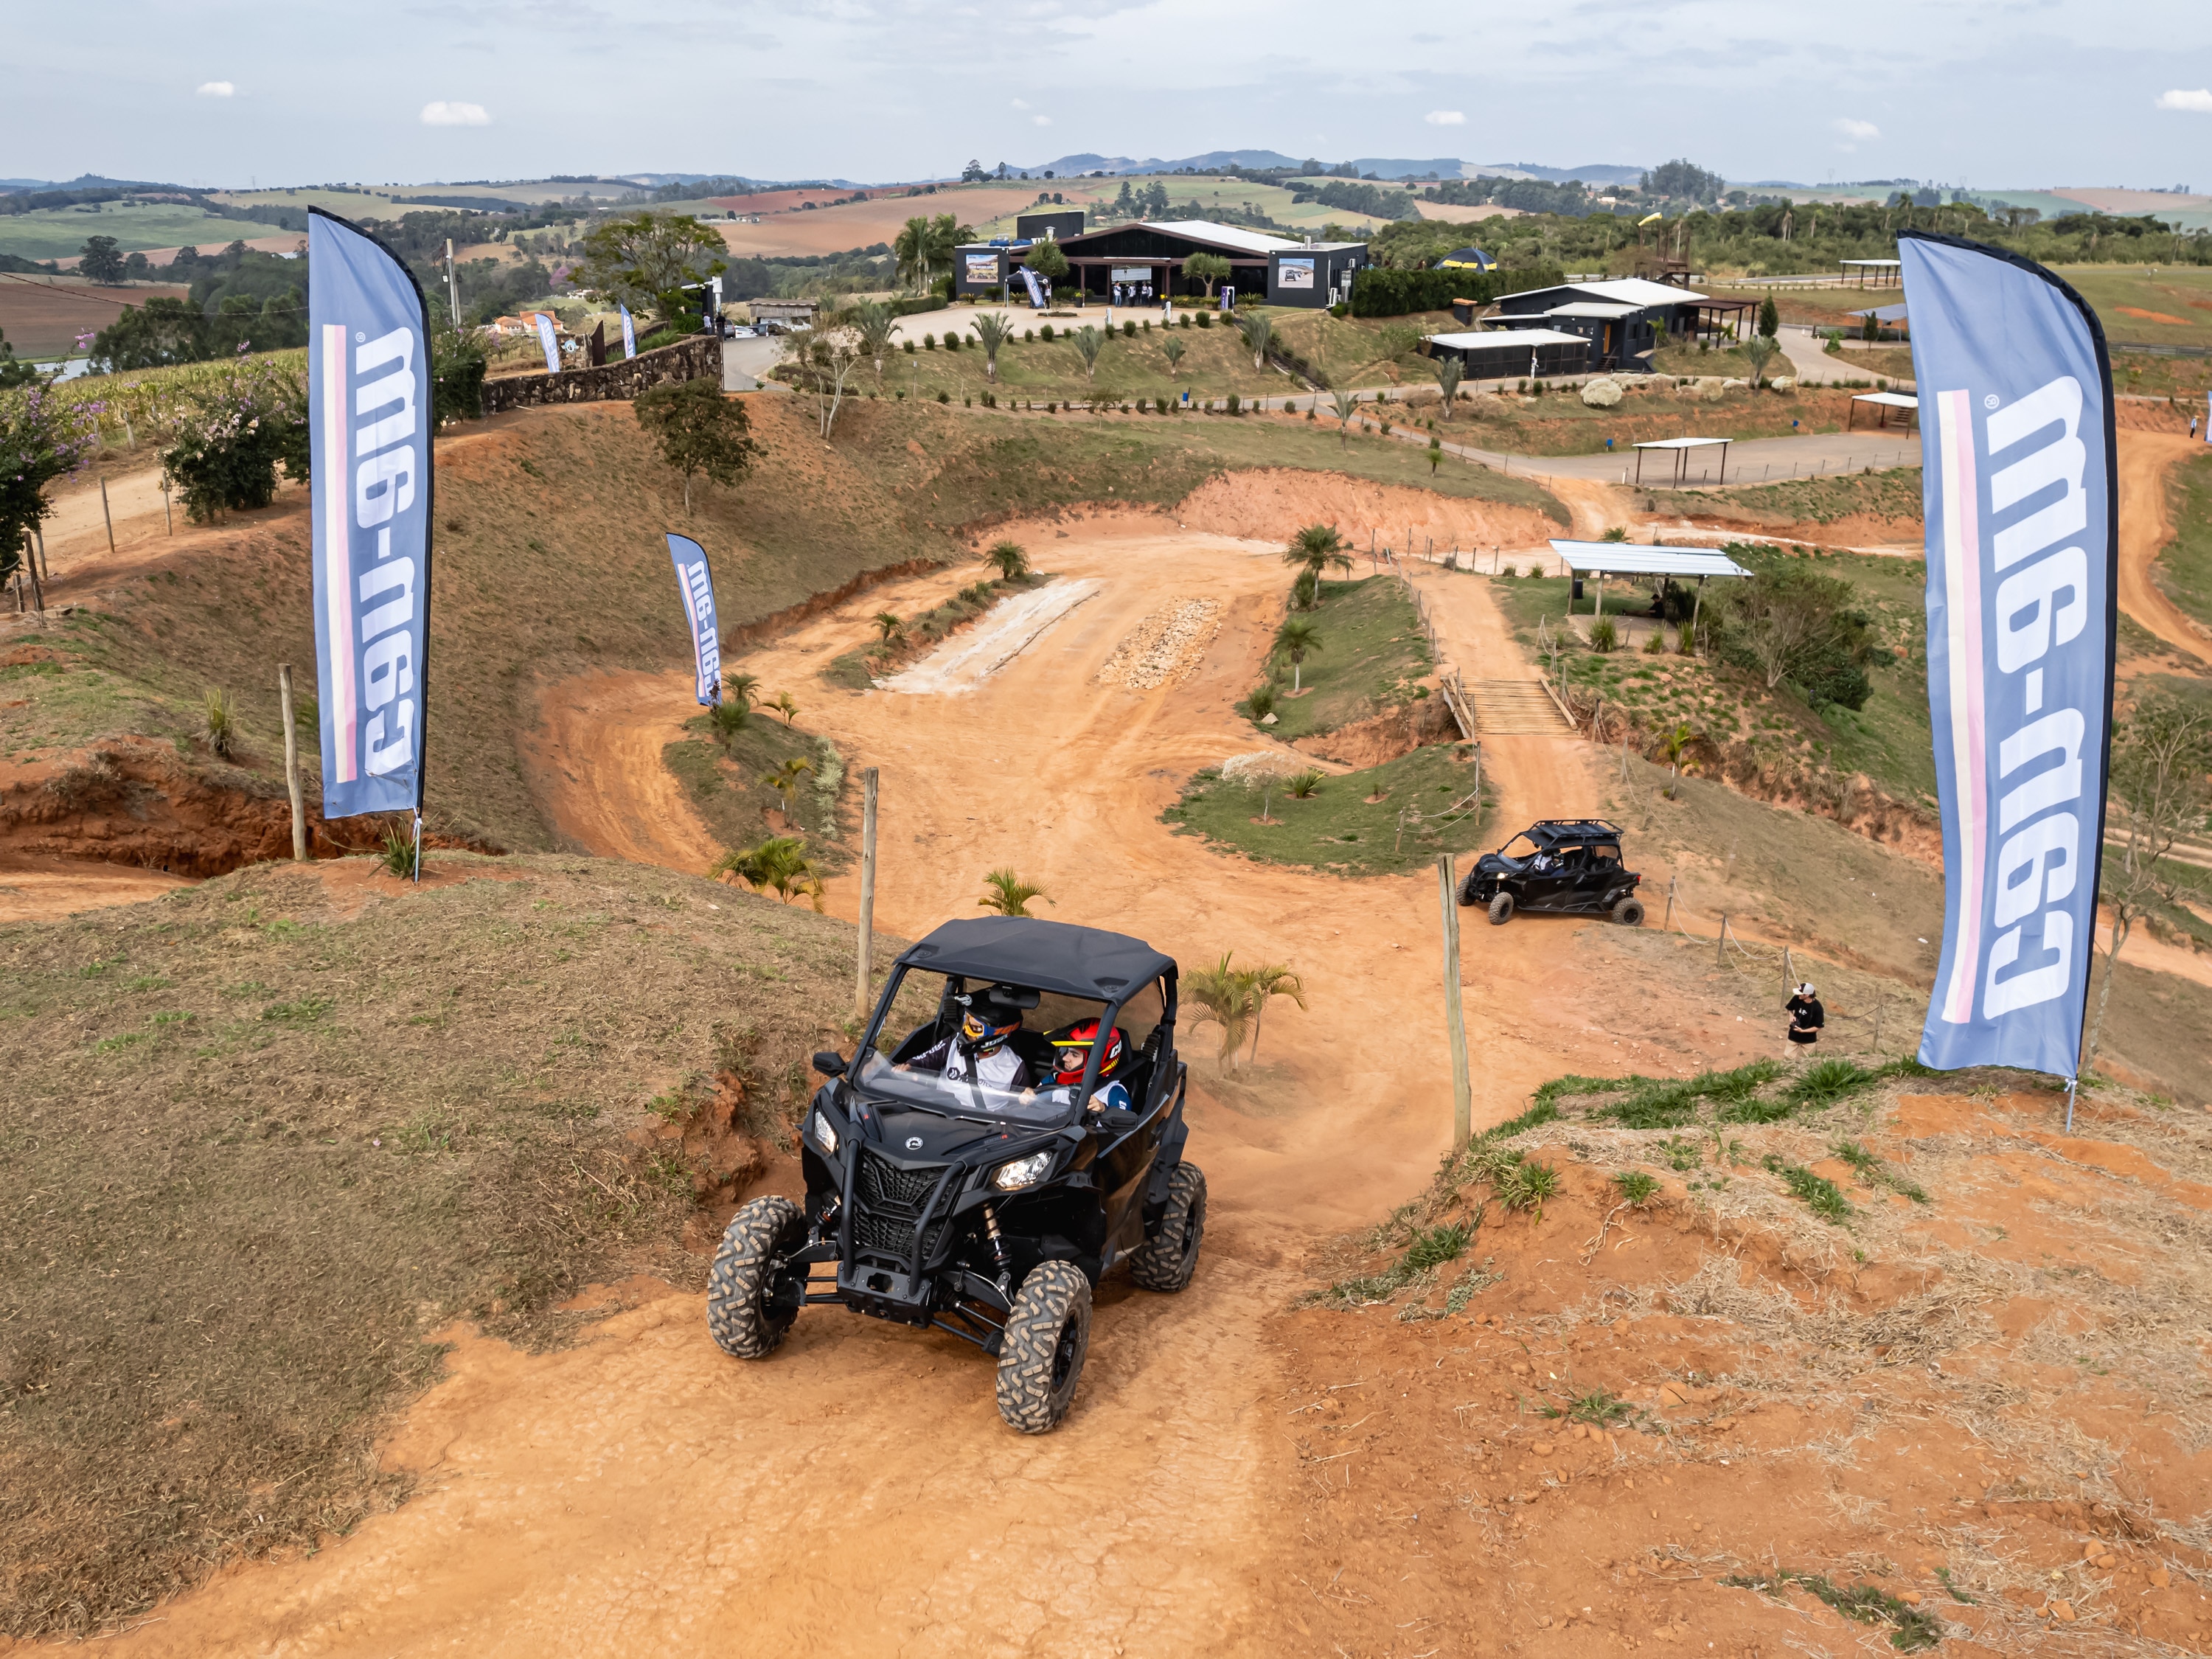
{"x": 41, "y": 439}
{"x": 224, "y": 449}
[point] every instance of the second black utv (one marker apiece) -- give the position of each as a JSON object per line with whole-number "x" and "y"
{"x": 1566, "y": 865}
{"x": 983, "y": 1172}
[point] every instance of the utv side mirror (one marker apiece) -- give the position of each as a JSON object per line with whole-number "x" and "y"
{"x": 829, "y": 1064}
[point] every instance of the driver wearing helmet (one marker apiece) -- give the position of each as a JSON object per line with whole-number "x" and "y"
{"x": 1071, "y": 1046}
{"x": 981, "y": 1050}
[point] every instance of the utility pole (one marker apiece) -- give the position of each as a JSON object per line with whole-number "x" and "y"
{"x": 292, "y": 762}
{"x": 1454, "y": 1014}
{"x": 861, "y": 987}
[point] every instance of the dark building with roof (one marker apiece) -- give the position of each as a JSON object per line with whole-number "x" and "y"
{"x": 1624, "y": 319}
{"x": 1155, "y": 255}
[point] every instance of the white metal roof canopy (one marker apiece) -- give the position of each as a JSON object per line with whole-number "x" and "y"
{"x": 1636, "y": 559}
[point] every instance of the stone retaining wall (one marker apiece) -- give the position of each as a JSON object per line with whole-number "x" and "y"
{"x": 687, "y": 360}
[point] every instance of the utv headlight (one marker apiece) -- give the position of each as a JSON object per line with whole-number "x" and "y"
{"x": 1022, "y": 1172}
{"x": 825, "y": 1136}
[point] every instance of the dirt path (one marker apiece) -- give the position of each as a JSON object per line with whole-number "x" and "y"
{"x": 2145, "y": 529}
{"x": 641, "y": 1494}
{"x": 37, "y": 889}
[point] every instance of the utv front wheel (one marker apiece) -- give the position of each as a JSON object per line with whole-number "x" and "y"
{"x": 1047, "y": 1334}
{"x": 739, "y": 1314}
{"x": 1629, "y": 912}
{"x": 1501, "y": 908}
{"x": 1168, "y": 1260}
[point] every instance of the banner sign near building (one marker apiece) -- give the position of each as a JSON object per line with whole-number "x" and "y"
{"x": 2021, "y": 503}
{"x": 545, "y": 338}
{"x": 630, "y": 335}
{"x": 368, "y": 406}
{"x": 697, "y": 585}
{"x": 982, "y": 267}
{"x": 1294, "y": 273}
{"x": 1139, "y": 274}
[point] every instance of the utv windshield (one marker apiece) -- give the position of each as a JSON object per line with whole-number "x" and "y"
{"x": 981, "y": 1049}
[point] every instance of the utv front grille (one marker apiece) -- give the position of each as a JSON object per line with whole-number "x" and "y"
{"x": 888, "y": 1203}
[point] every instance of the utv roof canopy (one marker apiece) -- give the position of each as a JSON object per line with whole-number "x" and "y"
{"x": 1045, "y": 955}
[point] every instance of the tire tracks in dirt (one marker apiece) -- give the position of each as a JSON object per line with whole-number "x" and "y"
{"x": 2146, "y": 528}
{"x": 642, "y": 1493}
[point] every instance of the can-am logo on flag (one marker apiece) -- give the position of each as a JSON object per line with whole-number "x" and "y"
{"x": 545, "y": 339}
{"x": 697, "y": 585}
{"x": 2016, "y": 424}
{"x": 629, "y": 334}
{"x": 368, "y": 418}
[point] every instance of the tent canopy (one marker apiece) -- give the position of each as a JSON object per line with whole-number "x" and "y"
{"x": 1888, "y": 399}
{"x": 1683, "y": 443}
{"x": 1887, "y": 313}
{"x": 1636, "y": 559}
{"x": 1467, "y": 259}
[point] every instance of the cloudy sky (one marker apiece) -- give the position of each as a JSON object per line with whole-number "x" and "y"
{"x": 2024, "y": 94}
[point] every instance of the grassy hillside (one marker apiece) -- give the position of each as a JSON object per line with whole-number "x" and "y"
{"x": 60, "y": 232}
{"x": 1888, "y": 740}
{"x": 1370, "y": 654}
{"x": 1895, "y": 493}
{"x": 550, "y": 560}
{"x": 267, "y": 1135}
{"x": 2183, "y": 569}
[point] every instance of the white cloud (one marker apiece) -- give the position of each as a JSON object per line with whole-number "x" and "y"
{"x": 224, "y": 89}
{"x": 443, "y": 114}
{"x": 1021, "y": 103}
{"x": 1445, "y": 117}
{"x": 2198, "y": 102}
{"x": 1860, "y": 131}
{"x": 1040, "y": 120}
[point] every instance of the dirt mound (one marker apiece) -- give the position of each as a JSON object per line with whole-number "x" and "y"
{"x": 1690, "y": 1409}
{"x": 1272, "y": 504}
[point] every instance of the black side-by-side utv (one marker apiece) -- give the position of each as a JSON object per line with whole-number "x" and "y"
{"x": 985, "y": 1195}
{"x": 1568, "y": 866}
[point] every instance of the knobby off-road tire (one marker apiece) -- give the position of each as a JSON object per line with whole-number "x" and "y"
{"x": 1467, "y": 885}
{"x": 1047, "y": 1335}
{"x": 737, "y": 1314}
{"x": 1501, "y": 910}
{"x": 1168, "y": 1260}
{"x": 1629, "y": 912}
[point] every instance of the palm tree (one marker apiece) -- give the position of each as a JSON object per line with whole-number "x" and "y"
{"x": 1347, "y": 405}
{"x": 784, "y": 706}
{"x": 1257, "y": 331}
{"x": 1677, "y": 746}
{"x": 1089, "y": 342}
{"x": 1271, "y": 979}
{"x": 1013, "y": 559}
{"x": 1226, "y": 997}
{"x": 1449, "y": 372}
{"x": 742, "y": 686}
{"x": 888, "y": 626}
{"x": 1297, "y": 636}
{"x": 911, "y": 249}
{"x": 992, "y": 330}
{"x": 1172, "y": 349}
{"x": 1006, "y": 894}
{"x": 873, "y": 323}
{"x": 785, "y": 779}
{"x": 1759, "y": 351}
{"x": 1315, "y": 548}
{"x": 780, "y": 862}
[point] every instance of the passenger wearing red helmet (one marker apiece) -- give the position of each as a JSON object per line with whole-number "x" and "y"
{"x": 1071, "y": 1046}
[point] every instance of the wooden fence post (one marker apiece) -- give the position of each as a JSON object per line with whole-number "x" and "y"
{"x": 1720, "y": 943}
{"x": 105, "y": 516}
{"x": 1454, "y": 1015}
{"x": 292, "y": 762}
{"x": 861, "y": 985}
{"x": 1667, "y": 919}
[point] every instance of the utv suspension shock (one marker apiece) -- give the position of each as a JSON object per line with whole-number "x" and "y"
{"x": 999, "y": 1250}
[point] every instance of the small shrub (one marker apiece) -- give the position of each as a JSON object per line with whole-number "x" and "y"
{"x": 1656, "y": 645}
{"x": 908, "y": 346}
{"x": 1603, "y": 636}
{"x": 1525, "y": 1186}
{"x": 1531, "y": 572}
{"x": 1183, "y": 321}
{"x": 1434, "y": 1246}
{"x": 1028, "y": 335}
{"x": 1045, "y": 334}
{"x": 1830, "y": 1081}
{"x": 929, "y": 341}
{"x": 1637, "y": 1187}
{"x": 1235, "y": 406}
{"x": 1129, "y": 331}
{"x": 1206, "y": 320}
{"x": 1261, "y": 703}
{"x": 396, "y": 854}
{"x": 944, "y": 396}
{"x": 222, "y": 724}
{"x": 1302, "y": 787}
{"x": 729, "y": 717}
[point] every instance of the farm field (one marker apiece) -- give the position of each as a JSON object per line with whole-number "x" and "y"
{"x": 42, "y": 318}
{"x": 60, "y": 232}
